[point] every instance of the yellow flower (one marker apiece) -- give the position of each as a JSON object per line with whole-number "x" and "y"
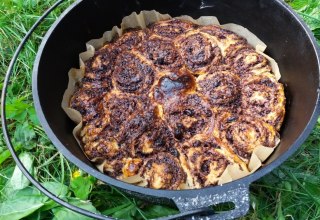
{"x": 76, "y": 174}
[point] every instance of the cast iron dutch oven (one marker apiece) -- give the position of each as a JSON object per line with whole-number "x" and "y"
{"x": 289, "y": 42}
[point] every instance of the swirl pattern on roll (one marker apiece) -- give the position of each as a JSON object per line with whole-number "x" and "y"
{"x": 204, "y": 161}
{"x": 171, "y": 28}
{"x": 246, "y": 61}
{"x": 129, "y": 40}
{"x": 188, "y": 115}
{"x": 85, "y": 101}
{"x": 157, "y": 139}
{"x": 263, "y": 97}
{"x": 101, "y": 64}
{"x": 132, "y": 75}
{"x": 163, "y": 171}
{"x": 221, "y": 88}
{"x": 122, "y": 119}
{"x": 198, "y": 52}
{"x": 162, "y": 53}
{"x": 244, "y": 133}
{"x": 104, "y": 58}
{"x": 174, "y": 105}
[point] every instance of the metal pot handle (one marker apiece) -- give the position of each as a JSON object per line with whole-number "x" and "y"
{"x": 238, "y": 195}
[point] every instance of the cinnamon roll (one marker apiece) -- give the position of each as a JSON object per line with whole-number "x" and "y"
{"x": 122, "y": 119}
{"x": 198, "y": 52}
{"x": 85, "y": 101}
{"x": 188, "y": 115}
{"x": 220, "y": 87}
{"x": 236, "y": 51}
{"x": 242, "y": 134}
{"x": 263, "y": 97}
{"x": 163, "y": 171}
{"x": 157, "y": 139}
{"x": 131, "y": 74}
{"x": 171, "y": 28}
{"x": 204, "y": 161}
{"x": 129, "y": 40}
{"x": 101, "y": 64}
{"x": 246, "y": 61}
{"x": 162, "y": 53}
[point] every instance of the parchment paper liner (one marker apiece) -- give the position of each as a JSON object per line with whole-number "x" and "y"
{"x": 142, "y": 20}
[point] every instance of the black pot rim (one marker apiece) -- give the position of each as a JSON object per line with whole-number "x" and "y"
{"x": 171, "y": 193}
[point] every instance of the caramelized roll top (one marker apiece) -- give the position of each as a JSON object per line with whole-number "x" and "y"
{"x": 220, "y": 87}
{"x": 162, "y": 53}
{"x": 163, "y": 171}
{"x": 204, "y": 161}
{"x": 171, "y": 28}
{"x": 188, "y": 115}
{"x": 263, "y": 97}
{"x": 198, "y": 52}
{"x": 244, "y": 133}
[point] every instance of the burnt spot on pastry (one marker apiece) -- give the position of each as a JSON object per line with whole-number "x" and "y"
{"x": 168, "y": 87}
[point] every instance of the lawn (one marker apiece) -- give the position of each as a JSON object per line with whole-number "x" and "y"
{"x": 292, "y": 191}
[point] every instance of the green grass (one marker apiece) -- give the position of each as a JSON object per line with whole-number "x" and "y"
{"x": 290, "y": 192}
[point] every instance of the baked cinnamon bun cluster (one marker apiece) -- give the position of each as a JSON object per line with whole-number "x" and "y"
{"x": 173, "y": 105}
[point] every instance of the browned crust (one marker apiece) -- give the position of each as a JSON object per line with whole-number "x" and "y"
{"x": 198, "y": 52}
{"x": 171, "y": 28}
{"x": 263, "y": 97}
{"x": 243, "y": 133}
{"x": 205, "y": 160}
{"x": 163, "y": 171}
